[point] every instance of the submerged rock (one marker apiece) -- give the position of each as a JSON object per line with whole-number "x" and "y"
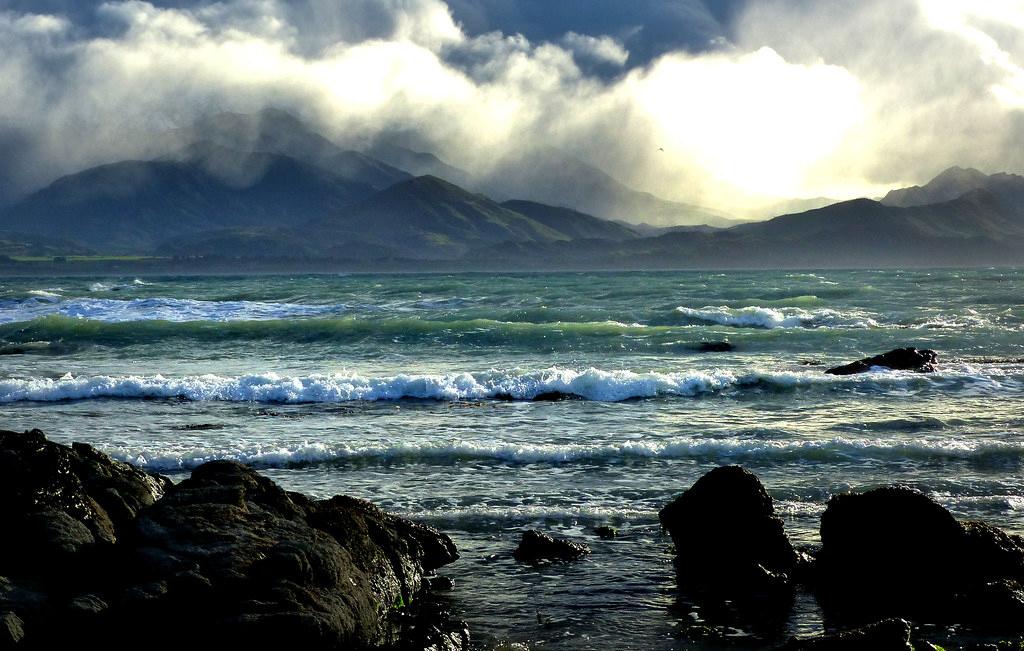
{"x": 226, "y": 557}
{"x": 539, "y": 546}
{"x": 716, "y": 347}
{"x": 886, "y": 635}
{"x": 902, "y": 359}
{"x": 606, "y": 532}
{"x": 893, "y": 551}
{"x": 727, "y": 537}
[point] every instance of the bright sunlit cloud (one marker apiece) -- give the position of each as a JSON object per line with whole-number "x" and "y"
{"x": 752, "y": 121}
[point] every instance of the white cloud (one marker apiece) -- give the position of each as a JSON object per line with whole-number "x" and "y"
{"x": 968, "y": 20}
{"x": 603, "y": 49}
{"x": 805, "y": 100}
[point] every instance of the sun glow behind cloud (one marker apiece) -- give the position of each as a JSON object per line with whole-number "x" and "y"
{"x": 752, "y": 121}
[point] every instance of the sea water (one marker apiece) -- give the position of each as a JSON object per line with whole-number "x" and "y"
{"x": 416, "y": 391}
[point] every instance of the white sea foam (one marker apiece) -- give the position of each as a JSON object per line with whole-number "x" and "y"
{"x": 836, "y": 449}
{"x": 590, "y": 384}
{"x": 161, "y": 308}
{"x": 770, "y": 318}
{"x": 49, "y": 295}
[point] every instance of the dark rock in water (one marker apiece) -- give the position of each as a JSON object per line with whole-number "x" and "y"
{"x": 886, "y": 635}
{"x": 58, "y": 503}
{"x": 538, "y": 546}
{"x": 11, "y": 630}
{"x": 901, "y": 359}
{"x": 715, "y": 347}
{"x": 198, "y": 427}
{"x": 555, "y": 396}
{"x": 605, "y": 532}
{"x": 430, "y": 627}
{"x": 893, "y": 551}
{"x": 440, "y": 583}
{"x": 547, "y": 396}
{"x": 226, "y": 555}
{"x": 727, "y": 536}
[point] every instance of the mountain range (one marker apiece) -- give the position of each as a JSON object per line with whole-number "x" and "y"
{"x": 268, "y": 187}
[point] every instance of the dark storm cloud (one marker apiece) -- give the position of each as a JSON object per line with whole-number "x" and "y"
{"x": 647, "y": 28}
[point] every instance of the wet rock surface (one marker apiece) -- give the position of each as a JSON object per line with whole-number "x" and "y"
{"x": 887, "y": 555}
{"x": 727, "y": 537}
{"x": 901, "y": 359}
{"x": 99, "y": 552}
{"x": 537, "y": 546}
{"x": 893, "y": 551}
{"x": 886, "y": 635}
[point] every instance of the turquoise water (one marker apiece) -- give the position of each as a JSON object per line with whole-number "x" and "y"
{"x": 415, "y": 391}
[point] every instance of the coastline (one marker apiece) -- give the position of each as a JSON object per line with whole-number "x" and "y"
{"x": 147, "y": 267}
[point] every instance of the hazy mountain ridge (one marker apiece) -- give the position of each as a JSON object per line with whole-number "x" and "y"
{"x": 948, "y": 185}
{"x": 132, "y": 206}
{"x": 556, "y": 178}
{"x": 235, "y": 191}
{"x": 279, "y": 132}
{"x": 572, "y": 223}
{"x": 427, "y": 217}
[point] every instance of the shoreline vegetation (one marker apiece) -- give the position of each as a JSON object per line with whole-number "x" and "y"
{"x": 99, "y": 550}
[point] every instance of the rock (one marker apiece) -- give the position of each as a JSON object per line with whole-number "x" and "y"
{"x": 893, "y": 551}
{"x": 727, "y": 536}
{"x": 428, "y": 626}
{"x": 901, "y": 359}
{"x": 12, "y": 630}
{"x": 556, "y": 396}
{"x": 275, "y": 566}
{"x": 716, "y": 346}
{"x": 538, "y": 546}
{"x": 87, "y": 606}
{"x": 886, "y": 635}
{"x": 226, "y": 555}
{"x": 440, "y": 583}
{"x": 58, "y": 502}
{"x": 605, "y": 532}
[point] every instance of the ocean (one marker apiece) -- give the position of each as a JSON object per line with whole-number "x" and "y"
{"x": 415, "y": 391}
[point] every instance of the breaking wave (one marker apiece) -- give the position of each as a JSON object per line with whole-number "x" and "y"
{"x": 738, "y": 450}
{"x": 553, "y": 383}
{"x": 770, "y": 317}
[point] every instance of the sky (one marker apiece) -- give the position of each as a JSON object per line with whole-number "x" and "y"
{"x": 731, "y": 104}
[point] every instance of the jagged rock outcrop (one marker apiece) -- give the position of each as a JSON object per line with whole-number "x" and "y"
{"x": 226, "y": 556}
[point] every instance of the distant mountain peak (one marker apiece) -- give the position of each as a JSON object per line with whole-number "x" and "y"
{"x": 431, "y": 182}
{"x": 962, "y": 175}
{"x": 950, "y": 184}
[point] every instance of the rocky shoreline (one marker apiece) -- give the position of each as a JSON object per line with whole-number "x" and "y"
{"x": 98, "y": 552}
